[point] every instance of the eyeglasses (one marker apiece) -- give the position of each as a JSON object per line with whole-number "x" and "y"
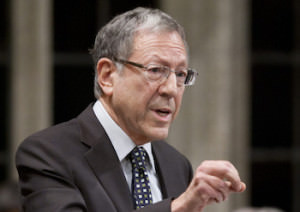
{"x": 184, "y": 77}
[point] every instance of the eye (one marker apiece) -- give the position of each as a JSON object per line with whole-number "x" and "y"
{"x": 181, "y": 74}
{"x": 155, "y": 69}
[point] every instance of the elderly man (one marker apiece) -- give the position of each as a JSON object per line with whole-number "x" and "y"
{"x": 112, "y": 157}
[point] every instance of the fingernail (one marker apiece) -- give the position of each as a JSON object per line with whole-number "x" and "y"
{"x": 240, "y": 187}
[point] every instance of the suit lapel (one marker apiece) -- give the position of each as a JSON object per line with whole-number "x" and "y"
{"x": 161, "y": 163}
{"x": 167, "y": 169}
{"x": 106, "y": 166}
{"x": 104, "y": 162}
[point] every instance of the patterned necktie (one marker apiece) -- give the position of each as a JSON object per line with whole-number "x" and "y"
{"x": 141, "y": 191}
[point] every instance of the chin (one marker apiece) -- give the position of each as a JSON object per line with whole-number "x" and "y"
{"x": 160, "y": 134}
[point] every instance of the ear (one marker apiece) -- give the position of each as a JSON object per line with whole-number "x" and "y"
{"x": 106, "y": 71}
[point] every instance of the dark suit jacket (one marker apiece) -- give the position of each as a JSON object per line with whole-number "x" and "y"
{"x": 74, "y": 167}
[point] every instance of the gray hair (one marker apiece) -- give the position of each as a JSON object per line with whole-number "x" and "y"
{"x": 115, "y": 39}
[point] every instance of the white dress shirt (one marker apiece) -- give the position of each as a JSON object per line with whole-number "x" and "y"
{"x": 123, "y": 145}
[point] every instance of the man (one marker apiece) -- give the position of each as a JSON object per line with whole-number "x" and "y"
{"x": 112, "y": 157}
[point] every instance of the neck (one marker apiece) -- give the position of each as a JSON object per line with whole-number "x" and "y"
{"x": 138, "y": 140}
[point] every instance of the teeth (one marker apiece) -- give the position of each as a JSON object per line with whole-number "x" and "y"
{"x": 163, "y": 112}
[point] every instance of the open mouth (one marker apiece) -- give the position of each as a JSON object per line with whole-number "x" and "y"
{"x": 163, "y": 112}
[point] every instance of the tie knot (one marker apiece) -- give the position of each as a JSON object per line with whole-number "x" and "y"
{"x": 138, "y": 157}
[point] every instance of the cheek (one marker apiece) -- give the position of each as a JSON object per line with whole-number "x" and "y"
{"x": 136, "y": 94}
{"x": 142, "y": 92}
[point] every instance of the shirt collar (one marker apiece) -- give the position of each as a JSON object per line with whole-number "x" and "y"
{"x": 121, "y": 142}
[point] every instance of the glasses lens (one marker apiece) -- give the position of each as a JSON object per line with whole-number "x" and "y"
{"x": 191, "y": 76}
{"x": 181, "y": 76}
{"x": 155, "y": 72}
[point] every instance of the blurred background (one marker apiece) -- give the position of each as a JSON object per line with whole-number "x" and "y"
{"x": 245, "y": 106}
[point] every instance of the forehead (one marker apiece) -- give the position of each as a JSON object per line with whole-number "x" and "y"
{"x": 163, "y": 45}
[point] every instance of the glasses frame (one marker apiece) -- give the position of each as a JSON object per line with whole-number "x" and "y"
{"x": 190, "y": 72}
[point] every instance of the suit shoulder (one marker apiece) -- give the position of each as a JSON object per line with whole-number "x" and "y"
{"x": 62, "y": 133}
{"x": 54, "y": 142}
{"x": 54, "y": 133}
{"x": 55, "y": 148}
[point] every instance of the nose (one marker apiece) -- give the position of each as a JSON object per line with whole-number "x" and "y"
{"x": 169, "y": 86}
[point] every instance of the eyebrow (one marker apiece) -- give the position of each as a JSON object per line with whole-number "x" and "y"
{"x": 164, "y": 62}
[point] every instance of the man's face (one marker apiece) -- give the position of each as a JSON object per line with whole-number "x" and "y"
{"x": 145, "y": 109}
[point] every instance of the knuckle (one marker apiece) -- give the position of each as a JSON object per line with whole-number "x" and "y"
{"x": 228, "y": 164}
